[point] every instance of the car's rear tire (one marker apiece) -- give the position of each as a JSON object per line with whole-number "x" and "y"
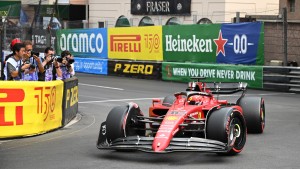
{"x": 223, "y": 124}
{"x": 122, "y": 121}
{"x": 169, "y": 100}
{"x": 254, "y": 112}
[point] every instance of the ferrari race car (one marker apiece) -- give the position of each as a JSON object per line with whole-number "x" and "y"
{"x": 191, "y": 120}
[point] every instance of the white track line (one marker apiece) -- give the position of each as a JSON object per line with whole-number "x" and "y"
{"x": 105, "y": 87}
{"x": 117, "y": 100}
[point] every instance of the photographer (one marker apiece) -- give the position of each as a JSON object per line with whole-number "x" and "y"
{"x": 12, "y": 44}
{"x": 51, "y": 66}
{"x": 65, "y": 62}
{"x": 29, "y": 74}
{"x": 14, "y": 68}
{"x": 34, "y": 58}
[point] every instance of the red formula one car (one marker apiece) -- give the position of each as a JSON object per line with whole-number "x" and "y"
{"x": 192, "y": 120}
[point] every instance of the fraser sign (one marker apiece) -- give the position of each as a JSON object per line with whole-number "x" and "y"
{"x": 84, "y": 42}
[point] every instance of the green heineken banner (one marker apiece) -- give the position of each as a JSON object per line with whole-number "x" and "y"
{"x": 240, "y": 43}
{"x": 183, "y": 72}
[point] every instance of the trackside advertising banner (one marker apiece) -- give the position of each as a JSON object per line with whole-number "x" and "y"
{"x": 135, "y": 43}
{"x": 70, "y": 100}
{"x": 42, "y": 38}
{"x": 139, "y": 69}
{"x": 83, "y": 42}
{"x": 30, "y": 108}
{"x": 91, "y": 65}
{"x": 183, "y": 72}
{"x": 241, "y": 43}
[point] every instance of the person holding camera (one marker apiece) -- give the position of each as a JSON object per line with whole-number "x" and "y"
{"x": 51, "y": 66}
{"x": 12, "y": 44}
{"x": 65, "y": 62}
{"x": 14, "y": 68}
{"x": 28, "y": 74}
{"x": 34, "y": 58}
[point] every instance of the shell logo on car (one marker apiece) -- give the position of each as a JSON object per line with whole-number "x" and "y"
{"x": 172, "y": 118}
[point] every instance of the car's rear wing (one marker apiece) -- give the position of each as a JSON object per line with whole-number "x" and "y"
{"x": 226, "y": 87}
{"x": 217, "y": 87}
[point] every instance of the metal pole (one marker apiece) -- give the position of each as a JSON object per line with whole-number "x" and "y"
{"x": 237, "y": 17}
{"x": 1, "y": 55}
{"x": 285, "y": 36}
{"x": 87, "y": 13}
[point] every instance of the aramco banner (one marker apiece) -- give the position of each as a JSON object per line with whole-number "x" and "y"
{"x": 83, "y": 42}
{"x": 241, "y": 43}
{"x": 183, "y": 72}
{"x": 135, "y": 43}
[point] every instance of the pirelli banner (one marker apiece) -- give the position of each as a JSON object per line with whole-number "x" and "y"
{"x": 30, "y": 108}
{"x": 138, "y": 69}
{"x": 241, "y": 43}
{"x": 183, "y": 72}
{"x": 135, "y": 43}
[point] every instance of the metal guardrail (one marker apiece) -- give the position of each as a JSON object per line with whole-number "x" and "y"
{"x": 286, "y": 79}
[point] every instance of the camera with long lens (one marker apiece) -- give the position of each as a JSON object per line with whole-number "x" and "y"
{"x": 32, "y": 66}
{"x": 53, "y": 57}
{"x": 70, "y": 61}
{"x": 34, "y": 53}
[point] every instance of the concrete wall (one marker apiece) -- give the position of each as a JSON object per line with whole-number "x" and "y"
{"x": 219, "y": 11}
{"x": 291, "y": 15}
{"x": 274, "y": 42}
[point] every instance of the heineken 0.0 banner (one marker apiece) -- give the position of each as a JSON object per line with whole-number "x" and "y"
{"x": 83, "y": 42}
{"x": 183, "y": 72}
{"x": 241, "y": 43}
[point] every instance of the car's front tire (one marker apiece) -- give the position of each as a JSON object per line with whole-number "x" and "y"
{"x": 223, "y": 124}
{"x": 122, "y": 121}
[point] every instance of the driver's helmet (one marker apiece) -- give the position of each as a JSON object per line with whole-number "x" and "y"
{"x": 195, "y": 100}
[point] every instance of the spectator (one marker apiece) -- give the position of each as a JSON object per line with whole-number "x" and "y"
{"x": 30, "y": 73}
{"x": 65, "y": 62}
{"x": 14, "y": 68}
{"x": 33, "y": 58}
{"x": 51, "y": 66}
{"x": 13, "y": 42}
{"x": 70, "y": 58}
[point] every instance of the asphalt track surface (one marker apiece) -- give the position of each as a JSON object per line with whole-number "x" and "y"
{"x": 74, "y": 147}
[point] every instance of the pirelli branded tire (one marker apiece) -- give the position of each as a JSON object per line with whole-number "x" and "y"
{"x": 122, "y": 121}
{"x": 228, "y": 126}
{"x": 254, "y": 112}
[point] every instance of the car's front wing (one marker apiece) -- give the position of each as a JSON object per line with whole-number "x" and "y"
{"x": 176, "y": 144}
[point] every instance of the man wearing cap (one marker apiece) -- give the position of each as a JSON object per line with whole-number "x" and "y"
{"x": 14, "y": 68}
{"x": 12, "y": 44}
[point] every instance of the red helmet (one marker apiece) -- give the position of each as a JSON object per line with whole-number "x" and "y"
{"x": 13, "y": 42}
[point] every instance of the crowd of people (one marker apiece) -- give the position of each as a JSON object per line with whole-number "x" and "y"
{"x": 23, "y": 64}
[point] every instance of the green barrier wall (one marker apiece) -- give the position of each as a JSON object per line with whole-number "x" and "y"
{"x": 182, "y": 72}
